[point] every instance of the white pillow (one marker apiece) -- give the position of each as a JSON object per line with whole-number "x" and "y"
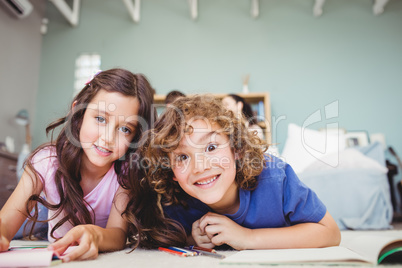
{"x": 348, "y": 159}
{"x": 304, "y": 146}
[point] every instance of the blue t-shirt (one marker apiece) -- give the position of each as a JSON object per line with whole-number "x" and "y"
{"x": 279, "y": 200}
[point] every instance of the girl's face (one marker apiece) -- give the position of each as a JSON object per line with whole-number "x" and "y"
{"x": 204, "y": 166}
{"x": 108, "y": 127}
{"x": 231, "y": 104}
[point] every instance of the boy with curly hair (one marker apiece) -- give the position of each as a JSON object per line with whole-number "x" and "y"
{"x": 214, "y": 179}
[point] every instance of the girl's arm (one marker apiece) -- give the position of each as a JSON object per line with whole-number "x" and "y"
{"x": 91, "y": 238}
{"x": 13, "y": 215}
{"x": 221, "y": 230}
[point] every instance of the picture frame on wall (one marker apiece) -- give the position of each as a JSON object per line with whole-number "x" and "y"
{"x": 357, "y": 138}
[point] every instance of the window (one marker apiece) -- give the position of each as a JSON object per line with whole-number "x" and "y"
{"x": 86, "y": 66}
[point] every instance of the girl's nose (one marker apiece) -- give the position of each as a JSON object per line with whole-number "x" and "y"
{"x": 109, "y": 135}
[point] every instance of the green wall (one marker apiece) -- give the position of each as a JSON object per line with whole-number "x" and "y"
{"x": 305, "y": 63}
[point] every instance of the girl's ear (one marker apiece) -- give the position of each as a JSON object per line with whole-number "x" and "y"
{"x": 237, "y": 156}
{"x": 174, "y": 178}
{"x": 73, "y": 105}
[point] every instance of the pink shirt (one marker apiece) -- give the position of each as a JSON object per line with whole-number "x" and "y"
{"x": 100, "y": 198}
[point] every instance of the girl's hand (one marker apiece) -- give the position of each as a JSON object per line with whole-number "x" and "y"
{"x": 4, "y": 243}
{"x": 85, "y": 236}
{"x": 222, "y": 230}
{"x": 200, "y": 237}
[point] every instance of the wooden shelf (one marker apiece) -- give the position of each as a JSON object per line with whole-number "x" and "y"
{"x": 8, "y": 175}
{"x": 252, "y": 99}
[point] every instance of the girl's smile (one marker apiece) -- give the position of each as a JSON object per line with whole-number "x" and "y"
{"x": 102, "y": 151}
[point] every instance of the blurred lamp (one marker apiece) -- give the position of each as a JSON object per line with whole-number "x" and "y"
{"x": 22, "y": 118}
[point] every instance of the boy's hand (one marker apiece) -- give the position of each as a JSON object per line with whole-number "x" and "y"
{"x": 4, "y": 243}
{"x": 222, "y": 230}
{"x": 200, "y": 237}
{"x": 87, "y": 239}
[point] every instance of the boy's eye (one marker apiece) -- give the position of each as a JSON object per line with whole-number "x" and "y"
{"x": 211, "y": 147}
{"x": 100, "y": 119}
{"x": 181, "y": 158}
{"x": 125, "y": 130}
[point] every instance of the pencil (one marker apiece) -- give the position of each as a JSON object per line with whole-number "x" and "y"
{"x": 209, "y": 253}
{"x": 203, "y": 249}
{"x": 187, "y": 251}
{"x": 174, "y": 252}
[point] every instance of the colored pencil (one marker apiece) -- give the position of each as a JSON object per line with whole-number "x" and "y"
{"x": 203, "y": 249}
{"x": 174, "y": 252}
{"x": 188, "y": 251}
{"x": 207, "y": 253}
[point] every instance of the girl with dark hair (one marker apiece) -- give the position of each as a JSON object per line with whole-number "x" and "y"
{"x": 240, "y": 107}
{"x": 214, "y": 178}
{"x": 85, "y": 174}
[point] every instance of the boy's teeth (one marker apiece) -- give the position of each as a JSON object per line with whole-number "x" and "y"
{"x": 208, "y": 181}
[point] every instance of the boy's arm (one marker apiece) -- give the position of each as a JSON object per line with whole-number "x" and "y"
{"x": 92, "y": 239}
{"x": 222, "y": 230}
{"x": 325, "y": 233}
{"x": 13, "y": 214}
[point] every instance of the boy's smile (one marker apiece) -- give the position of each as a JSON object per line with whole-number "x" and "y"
{"x": 207, "y": 181}
{"x": 204, "y": 166}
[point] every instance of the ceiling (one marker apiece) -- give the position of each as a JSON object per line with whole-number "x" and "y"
{"x": 71, "y": 11}
{"x": 133, "y": 7}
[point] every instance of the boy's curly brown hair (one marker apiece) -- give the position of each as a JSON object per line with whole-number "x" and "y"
{"x": 171, "y": 127}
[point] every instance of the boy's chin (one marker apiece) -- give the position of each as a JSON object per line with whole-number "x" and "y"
{"x": 211, "y": 202}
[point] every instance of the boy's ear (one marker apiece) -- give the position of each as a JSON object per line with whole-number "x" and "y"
{"x": 174, "y": 178}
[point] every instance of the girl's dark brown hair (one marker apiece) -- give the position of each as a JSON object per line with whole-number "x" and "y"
{"x": 69, "y": 152}
{"x": 170, "y": 128}
{"x": 246, "y": 110}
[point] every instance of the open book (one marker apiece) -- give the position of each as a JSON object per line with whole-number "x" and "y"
{"x": 30, "y": 254}
{"x": 364, "y": 249}
{"x": 28, "y": 257}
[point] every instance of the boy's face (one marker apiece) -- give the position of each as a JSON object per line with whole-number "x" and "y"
{"x": 204, "y": 166}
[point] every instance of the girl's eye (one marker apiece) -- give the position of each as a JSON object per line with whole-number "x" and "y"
{"x": 211, "y": 147}
{"x": 125, "y": 130}
{"x": 100, "y": 119}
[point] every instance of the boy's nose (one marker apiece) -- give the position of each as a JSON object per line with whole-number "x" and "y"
{"x": 201, "y": 163}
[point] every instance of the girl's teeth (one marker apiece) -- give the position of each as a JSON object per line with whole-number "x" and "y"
{"x": 208, "y": 181}
{"x": 102, "y": 150}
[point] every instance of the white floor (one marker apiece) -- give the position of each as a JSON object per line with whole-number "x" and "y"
{"x": 155, "y": 258}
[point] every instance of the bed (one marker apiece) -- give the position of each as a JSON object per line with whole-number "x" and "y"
{"x": 351, "y": 181}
